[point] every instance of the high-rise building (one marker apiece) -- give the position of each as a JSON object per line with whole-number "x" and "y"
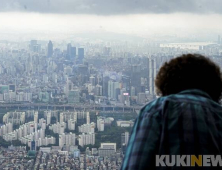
{"x": 100, "y": 124}
{"x": 126, "y": 83}
{"x": 106, "y": 51}
{"x": 69, "y": 47}
{"x": 34, "y": 47}
{"x": 58, "y": 127}
{"x": 87, "y": 118}
{"x": 112, "y": 89}
{"x": 125, "y": 138}
{"x": 33, "y": 42}
{"x": 87, "y": 139}
{"x": 62, "y": 140}
{"x": 135, "y": 78}
{"x": 7, "y": 128}
{"x": 14, "y": 117}
{"x": 50, "y": 49}
{"x": 65, "y": 116}
{"x": 98, "y": 90}
{"x": 92, "y": 80}
{"x": 141, "y": 98}
{"x": 67, "y": 139}
{"x": 73, "y": 54}
{"x": 105, "y": 86}
{"x": 42, "y": 133}
{"x": 33, "y": 146}
{"x": 71, "y": 124}
{"x": 87, "y": 128}
{"x": 48, "y": 117}
{"x": 61, "y": 116}
{"x": 54, "y": 77}
{"x": 43, "y": 125}
{"x": 45, "y": 78}
{"x": 73, "y": 96}
{"x": 219, "y": 39}
{"x": 132, "y": 91}
{"x": 80, "y": 55}
{"x": 152, "y": 75}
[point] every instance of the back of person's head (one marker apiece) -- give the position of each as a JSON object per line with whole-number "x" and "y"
{"x": 189, "y": 71}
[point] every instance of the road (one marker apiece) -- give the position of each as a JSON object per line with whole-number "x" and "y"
{"x": 39, "y": 106}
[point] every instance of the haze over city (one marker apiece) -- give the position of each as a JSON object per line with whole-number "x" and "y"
{"x": 186, "y": 20}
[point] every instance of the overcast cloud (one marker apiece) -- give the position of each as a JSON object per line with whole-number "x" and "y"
{"x": 112, "y": 7}
{"x": 44, "y": 19}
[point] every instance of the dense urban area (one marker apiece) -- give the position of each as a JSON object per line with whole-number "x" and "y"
{"x": 72, "y": 105}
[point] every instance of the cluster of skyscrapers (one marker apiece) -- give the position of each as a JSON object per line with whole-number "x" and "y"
{"x": 64, "y": 74}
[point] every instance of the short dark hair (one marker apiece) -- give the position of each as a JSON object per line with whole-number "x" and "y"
{"x": 189, "y": 71}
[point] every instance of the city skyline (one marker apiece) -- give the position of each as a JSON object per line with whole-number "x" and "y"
{"x": 74, "y": 74}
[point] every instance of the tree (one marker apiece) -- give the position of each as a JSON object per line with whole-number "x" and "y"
{"x": 6, "y": 144}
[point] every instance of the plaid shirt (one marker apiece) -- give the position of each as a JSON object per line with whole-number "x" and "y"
{"x": 187, "y": 123}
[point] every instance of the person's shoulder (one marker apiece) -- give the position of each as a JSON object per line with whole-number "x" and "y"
{"x": 196, "y": 98}
{"x": 153, "y": 107}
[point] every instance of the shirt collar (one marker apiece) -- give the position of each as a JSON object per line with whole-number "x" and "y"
{"x": 196, "y": 92}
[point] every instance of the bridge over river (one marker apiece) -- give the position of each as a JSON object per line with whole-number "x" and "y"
{"x": 43, "y": 106}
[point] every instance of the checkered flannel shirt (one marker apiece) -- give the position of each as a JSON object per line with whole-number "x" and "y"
{"x": 186, "y": 123}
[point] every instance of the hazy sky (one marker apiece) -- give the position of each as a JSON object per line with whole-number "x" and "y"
{"x": 61, "y": 18}
{"x": 112, "y": 7}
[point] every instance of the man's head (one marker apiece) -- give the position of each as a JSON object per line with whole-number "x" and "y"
{"x": 190, "y": 71}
